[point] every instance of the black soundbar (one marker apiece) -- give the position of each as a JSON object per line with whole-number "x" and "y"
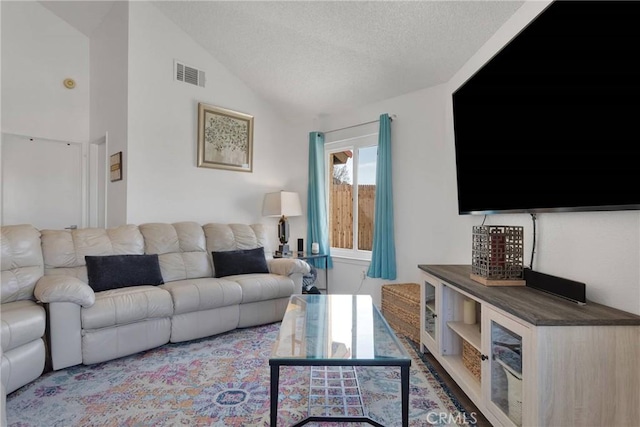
{"x": 565, "y": 288}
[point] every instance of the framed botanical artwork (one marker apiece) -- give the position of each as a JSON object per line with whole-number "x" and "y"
{"x": 225, "y": 139}
{"x": 116, "y": 166}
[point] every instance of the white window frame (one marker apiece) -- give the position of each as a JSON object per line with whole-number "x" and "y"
{"x": 353, "y": 144}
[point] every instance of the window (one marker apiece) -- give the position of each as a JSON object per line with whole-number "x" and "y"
{"x": 351, "y": 190}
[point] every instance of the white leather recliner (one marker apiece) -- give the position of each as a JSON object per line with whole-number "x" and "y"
{"x": 23, "y": 320}
{"x": 91, "y": 327}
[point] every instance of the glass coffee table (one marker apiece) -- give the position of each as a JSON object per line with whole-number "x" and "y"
{"x": 333, "y": 334}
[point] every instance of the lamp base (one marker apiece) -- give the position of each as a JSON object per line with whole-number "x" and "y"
{"x": 283, "y": 250}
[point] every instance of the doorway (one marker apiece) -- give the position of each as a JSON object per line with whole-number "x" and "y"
{"x": 43, "y": 182}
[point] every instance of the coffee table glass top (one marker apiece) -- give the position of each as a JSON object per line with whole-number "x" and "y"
{"x": 336, "y": 327}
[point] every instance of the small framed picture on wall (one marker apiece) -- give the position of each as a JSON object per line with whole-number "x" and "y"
{"x": 116, "y": 166}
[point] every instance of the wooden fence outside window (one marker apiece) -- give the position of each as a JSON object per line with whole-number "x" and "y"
{"x": 341, "y": 216}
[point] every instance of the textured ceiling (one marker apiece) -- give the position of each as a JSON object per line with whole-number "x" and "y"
{"x": 322, "y": 57}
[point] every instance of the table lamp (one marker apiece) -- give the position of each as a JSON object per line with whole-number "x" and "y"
{"x": 282, "y": 204}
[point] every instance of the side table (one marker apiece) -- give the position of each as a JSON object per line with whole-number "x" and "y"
{"x": 306, "y": 256}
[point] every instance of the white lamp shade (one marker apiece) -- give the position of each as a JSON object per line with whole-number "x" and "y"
{"x": 281, "y": 203}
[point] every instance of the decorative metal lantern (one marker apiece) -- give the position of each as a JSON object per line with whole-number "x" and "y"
{"x": 497, "y": 255}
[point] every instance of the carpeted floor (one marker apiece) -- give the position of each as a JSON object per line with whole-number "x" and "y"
{"x": 216, "y": 381}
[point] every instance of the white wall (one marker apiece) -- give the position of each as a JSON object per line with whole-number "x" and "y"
{"x": 425, "y": 205}
{"x": 164, "y": 183}
{"x": 148, "y": 116}
{"x": 601, "y": 249}
{"x": 109, "y": 67}
{"x": 39, "y": 51}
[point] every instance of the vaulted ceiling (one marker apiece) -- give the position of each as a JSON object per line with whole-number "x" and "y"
{"x": 323, "y": 57}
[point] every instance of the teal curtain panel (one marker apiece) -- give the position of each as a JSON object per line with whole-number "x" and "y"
{"x": 383, "y": 255}
{"x": 317, "y": 222}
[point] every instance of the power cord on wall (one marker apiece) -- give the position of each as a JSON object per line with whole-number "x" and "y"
{"x": 360, "y": 287}
{"x": 363, "y": 278}
{"x": 533, "y": 247}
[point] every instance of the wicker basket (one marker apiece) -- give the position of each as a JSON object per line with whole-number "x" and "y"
{"x": 401, "y": 308}
{"x": 471, "y": 359}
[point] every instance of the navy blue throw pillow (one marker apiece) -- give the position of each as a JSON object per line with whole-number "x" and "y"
{"x": 120, "y": 271}
{"x": 241, "y": 261}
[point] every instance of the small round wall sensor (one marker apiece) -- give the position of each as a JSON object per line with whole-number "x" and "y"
{"x": 69, "y": 83}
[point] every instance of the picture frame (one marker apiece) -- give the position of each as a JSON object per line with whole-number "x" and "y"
{"x": 115, "y": 168}
{"x": 225, "y": 139}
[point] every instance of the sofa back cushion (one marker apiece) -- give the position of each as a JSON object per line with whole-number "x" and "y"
{"x": 64, "y": 250}
{"x": 232, "y": 237}
{"x": 21, "y": 260}
{"x": 181, "y": 249}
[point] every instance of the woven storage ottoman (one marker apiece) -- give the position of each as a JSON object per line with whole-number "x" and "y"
{"x": 401, "y": 308}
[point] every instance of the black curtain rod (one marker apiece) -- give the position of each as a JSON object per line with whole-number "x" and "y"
{"x": 391, "y": 117}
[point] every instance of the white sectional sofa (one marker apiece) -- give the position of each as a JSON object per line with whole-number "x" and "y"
{"x": 88, "y": 325}
{"x": 23, "y": 320}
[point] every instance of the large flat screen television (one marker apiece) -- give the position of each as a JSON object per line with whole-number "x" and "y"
{"x": 552, "y": 121}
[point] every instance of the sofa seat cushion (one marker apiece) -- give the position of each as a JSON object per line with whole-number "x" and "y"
{"x": 127, "y": 305}
{"x": 22, "y": 322}
{"x": 263, "y": 286}
{"x": 194, "y": 295}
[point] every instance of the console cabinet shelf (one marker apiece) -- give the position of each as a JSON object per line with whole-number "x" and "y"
{"x": 470, "y": 333}
{"x": 528, "y": 358}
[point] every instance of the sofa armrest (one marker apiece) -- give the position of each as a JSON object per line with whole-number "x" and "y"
{"x": 288, "y": 266}
{"x": 64, "y": 289}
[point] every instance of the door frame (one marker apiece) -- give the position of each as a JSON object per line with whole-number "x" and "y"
{"x": 93, "y": 193}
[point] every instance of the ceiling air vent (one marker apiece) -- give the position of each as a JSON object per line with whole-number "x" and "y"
{"x": 187, "y": 74}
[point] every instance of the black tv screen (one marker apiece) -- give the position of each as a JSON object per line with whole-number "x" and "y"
{"x": 552, "y": 121}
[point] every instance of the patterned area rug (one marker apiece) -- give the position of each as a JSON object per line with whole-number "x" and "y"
{"x": 216, "y": 381}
